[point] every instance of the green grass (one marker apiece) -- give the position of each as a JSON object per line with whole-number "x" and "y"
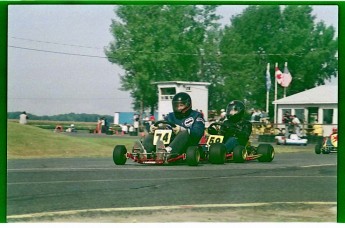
{"x": 28, "y": 141}
{"x": 31, "y": 141}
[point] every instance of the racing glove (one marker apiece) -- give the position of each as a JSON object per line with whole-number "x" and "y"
{"x": 177, "y": 129}
{"x": 153, "y": 128}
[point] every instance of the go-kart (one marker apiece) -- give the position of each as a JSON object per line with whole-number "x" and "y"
{"x": 292, "y": 139}
{"x": 217, "y": 154}
{"x": 328, "y": 145}
{"x": 162, "y": 136}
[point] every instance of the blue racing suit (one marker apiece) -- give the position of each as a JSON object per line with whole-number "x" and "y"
{"x": 194, "y": 124}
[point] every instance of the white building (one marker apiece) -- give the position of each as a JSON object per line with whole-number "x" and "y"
{"x": 316, "y": 105}
{"x": 198, "y": 91}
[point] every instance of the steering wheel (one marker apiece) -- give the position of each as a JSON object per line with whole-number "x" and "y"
{"x": 172, "y": 125}
{"x": 214, "y": 128}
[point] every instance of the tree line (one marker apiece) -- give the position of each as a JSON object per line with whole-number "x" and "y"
{"x": 73, "y": 117}
{"x": 186, "y": 42}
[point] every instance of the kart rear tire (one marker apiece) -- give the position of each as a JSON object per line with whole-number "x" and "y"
{"x": 266, "y": 151}
{"x": 193, "y": 155}
{"x": 240, "y": 154}
{"x": 318, "y": 147}
{"x": 217, "y": 153}
{"x": 326, "y": 151}
{"x": 119, "y": 155}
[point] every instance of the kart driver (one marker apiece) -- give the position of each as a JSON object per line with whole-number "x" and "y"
{"x": 235, "y": 129}
{"x": 190, "y": 127}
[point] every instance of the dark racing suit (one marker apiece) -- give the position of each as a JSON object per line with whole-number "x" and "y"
{"x": 235, "y": 133}
{"x": 194, "y": 124}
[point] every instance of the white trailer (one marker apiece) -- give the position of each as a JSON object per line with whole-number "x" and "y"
{"x": 198, "y": 91}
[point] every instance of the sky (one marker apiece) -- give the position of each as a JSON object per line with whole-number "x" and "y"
{"x": 56, "y": 60}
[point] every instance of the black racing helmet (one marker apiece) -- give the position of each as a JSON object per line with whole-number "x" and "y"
{"x": 235, "y": 111}
{"x": 182, "y": 105}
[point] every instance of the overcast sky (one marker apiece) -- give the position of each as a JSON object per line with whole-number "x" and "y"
{"x": 56, "y": 62}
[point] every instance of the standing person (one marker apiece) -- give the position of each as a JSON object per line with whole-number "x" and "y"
{"x": 297, "y": 125}
{"x": 136, "y": 123}
{"x": 189, "y": 129}
{"x": 235, "y": 128}
{"x": 222, "y": 115}
{"x": 152, "y": 119}
{"x": 147, "y": 123}
{"x": 103, "y": 126}
{"x": 23, "y": 118}
{"x": 287, "y": 122}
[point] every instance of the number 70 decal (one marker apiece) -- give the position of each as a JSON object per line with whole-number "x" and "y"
{"x": 163, "y": 135}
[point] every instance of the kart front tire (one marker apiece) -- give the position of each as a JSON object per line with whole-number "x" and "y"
{"x": 193, "y": 155}
{"x": 240, "y": 154}
{"x": 119, "y": 155}
{"x": 266, "y": 151}
{"x": 217, "y": 153}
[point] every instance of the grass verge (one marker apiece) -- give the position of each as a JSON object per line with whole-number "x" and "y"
{"x": 26, "y": 141}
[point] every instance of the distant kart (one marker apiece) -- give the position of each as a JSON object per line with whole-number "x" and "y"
{"x": 161, "y": 136}
{"x": 328, "y": 145}
{"x": 216, "y": 152}
{"x": 293, "y": 139}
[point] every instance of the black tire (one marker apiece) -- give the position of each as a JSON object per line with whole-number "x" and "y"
{"x": 266, "y": 151}
{"x": 217, "y": 153}
{"x": 326, "y": 151}
{"x": 318, "y": 147}
{"x": 193, "y": 155}
{"x": 239, "y": 154}
{"x": 119, "y": 155}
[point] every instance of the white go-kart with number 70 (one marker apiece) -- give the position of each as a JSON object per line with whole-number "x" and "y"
{"x": 162, "y": 136}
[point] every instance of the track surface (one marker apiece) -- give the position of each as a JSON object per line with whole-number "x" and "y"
{"x": 293, "y": 187}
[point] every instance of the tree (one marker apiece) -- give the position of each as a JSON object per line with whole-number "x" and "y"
{"x": 270, "y": 34}
{"x": 160, "y": 43}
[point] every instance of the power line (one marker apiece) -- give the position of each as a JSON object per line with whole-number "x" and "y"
{"x": 148, "y": 52}
{"x": 133, "y": 51}
{"x": 48, "y": 42}
{"x": 57, "y": 52}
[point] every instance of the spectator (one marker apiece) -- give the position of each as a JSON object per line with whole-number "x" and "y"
{"x": 152, "y": 119}
{"x": 103, "y": 127}
{"x": 147, "y": 123}
{"x": 136, "y": 123}
{"x": 297, "y": 125}
{"x": 222, "y": 116}
{"x": 23, "y": 118}
{"x": 263, "y": 116}
{"x": 255, "y": 116}
{"x": 287, "y": 122}
{"x": 124, "y": 128}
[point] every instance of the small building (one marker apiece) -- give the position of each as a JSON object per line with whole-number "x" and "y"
{"x": 198, "y": 91}
{"x": 318, "y": 105}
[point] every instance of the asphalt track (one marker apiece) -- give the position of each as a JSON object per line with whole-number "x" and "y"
{"x": 293, "y": 187}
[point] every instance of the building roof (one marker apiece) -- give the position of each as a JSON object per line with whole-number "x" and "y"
{"x": 182, "y": 82}
{"x": 325, "y": 94}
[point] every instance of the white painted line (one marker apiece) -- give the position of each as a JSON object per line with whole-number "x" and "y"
{"x": 152, "y": 208}
{"x": 308, "y": 166}
{"x": 161, "y": 179}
